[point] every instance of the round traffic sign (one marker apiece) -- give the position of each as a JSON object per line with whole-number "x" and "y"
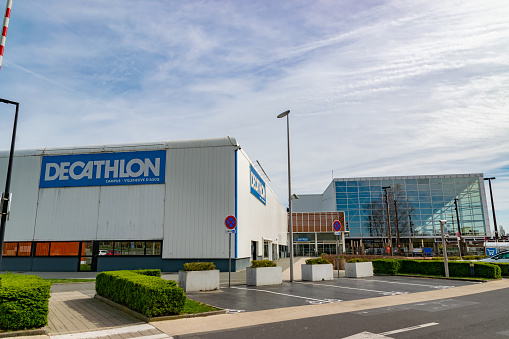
{"x": 230, "y": 222}
{"x": 337, "y": 225}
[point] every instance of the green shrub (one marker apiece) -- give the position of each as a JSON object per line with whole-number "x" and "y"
{"x": 358, "y": 260}
{"x": 149, "y": 295}
{"x": 504, "y": 267}
{"x": 386, "y": 266}
{"x": 487, "y": 270}
{"x": 23, "y": 301}
{"x": 149, "y": 272}
{"x": 318, "y": 261}
{"x": 262, "y": 263}
{"x": 199, "y": 266}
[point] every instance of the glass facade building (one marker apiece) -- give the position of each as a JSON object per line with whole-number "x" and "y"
{"x": 415, "y": 206}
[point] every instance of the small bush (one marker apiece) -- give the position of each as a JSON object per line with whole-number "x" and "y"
{"x": 262, "y": 263}
{"x": 318, "y": 261}
{"x": 23, "y": 301}
{"x": 358, "y": 260}
{"x": 199, "y": 266}
{"x": 149, "y": 295}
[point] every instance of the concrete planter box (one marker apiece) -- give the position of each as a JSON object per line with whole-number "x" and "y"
{"x": 264, "y": 276}
{"x": 199, "y": 280}
{"x": 317, "y": 272}
{"x": 358, "y": 269}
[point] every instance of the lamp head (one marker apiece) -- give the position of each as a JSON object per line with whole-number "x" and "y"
{"x": 284, "y": 114}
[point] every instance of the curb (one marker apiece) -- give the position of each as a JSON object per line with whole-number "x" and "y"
{"x": 146, "y": 319}
{"x": 39, "y": 331}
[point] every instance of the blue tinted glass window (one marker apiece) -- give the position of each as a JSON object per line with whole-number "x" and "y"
{"x": 411, "y": 187}
{"x": 341, "y": 201}
{"x": 423, "y": 181}
{"x": 364, "y": 189}
{"x": 423, "y": 187}
{"x": 351, "y": 184}
{"x": 411, "y": 181}
{"x": 340, "y": 189}
{"x": 340, "y": 184}
{"x": 341, "y": 207}
{"x": 352, "y": 189}
{"x": 363, "y": 183}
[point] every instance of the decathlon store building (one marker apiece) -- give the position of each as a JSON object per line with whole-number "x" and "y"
{"x": 155, "y": 205}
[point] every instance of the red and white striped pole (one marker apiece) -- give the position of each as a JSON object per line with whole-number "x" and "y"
{"x": 4, "y": 30}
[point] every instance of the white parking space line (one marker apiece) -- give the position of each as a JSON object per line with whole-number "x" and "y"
{"x": 409, "y": 328}
{"x": 310, "y": 300}
{"x": 355, "y": 288}
{"x": 369, "y": 335}
{"x": 438, "y": 287}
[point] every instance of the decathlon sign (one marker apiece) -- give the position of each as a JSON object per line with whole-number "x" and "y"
{"x": 258, "y": 186}
{"x": 103, "y": 169}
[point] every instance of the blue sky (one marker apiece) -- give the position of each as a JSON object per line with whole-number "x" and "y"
{"x": 375, "y": 88}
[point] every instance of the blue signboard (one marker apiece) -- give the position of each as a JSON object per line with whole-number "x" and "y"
{"x": 302, "y": 239}
{"x": 103, "y": 169}
{"x": 491, "y": 251}
{"x": 258, "y": 186}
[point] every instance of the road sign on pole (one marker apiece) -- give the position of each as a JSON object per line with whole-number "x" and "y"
{"x": 230, "y": 222}
{"x": 337, "y": 225}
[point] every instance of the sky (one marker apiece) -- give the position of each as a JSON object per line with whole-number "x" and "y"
{"x": 375, "y": 88}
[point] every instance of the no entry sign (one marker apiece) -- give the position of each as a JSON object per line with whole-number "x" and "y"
{"x": 230, "y": 222}
{"x": 337, "y": 225}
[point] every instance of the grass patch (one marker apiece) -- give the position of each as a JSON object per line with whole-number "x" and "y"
{"x": 192, "y": 307}
{"x": 68, "y": 281}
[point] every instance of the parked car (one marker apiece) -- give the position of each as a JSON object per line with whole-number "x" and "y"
{"x": 501, "y": 257}
{"x": 103, "y": 252}
{"x": 112, "y": 252}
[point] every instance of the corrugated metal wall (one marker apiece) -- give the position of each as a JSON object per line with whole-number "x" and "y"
{"x": 257, "y": 221}
{"x": 188, "y": 211}
{"x": 200, "y": 194}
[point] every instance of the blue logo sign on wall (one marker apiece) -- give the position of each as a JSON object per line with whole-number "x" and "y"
{"x": 302, "y": 239}
{"x": 258, "y": 186}
{"x": 103, "y": 169}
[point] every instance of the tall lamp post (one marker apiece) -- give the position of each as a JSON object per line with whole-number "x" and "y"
{"x": 388, "y": 219}
{"x": 6, "y": 195}
{"x": 282, "y": 115}
{"x": 493, "y": 208}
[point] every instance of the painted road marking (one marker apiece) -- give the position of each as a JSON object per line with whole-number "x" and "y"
{"x": 112, "y": 331}
{"x": 384, "y": 335}
{"x": 439, "y": 287}
{"x": 309, "y": 300}
{"x": 356, "y": 288}
{"x": 409, "y": 328}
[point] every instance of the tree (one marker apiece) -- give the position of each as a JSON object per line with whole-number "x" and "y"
{"x": 400, "y": 212}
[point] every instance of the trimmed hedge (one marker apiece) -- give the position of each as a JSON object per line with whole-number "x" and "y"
{"x": 318, "y": 261}
{"x": 504, "y": 267}
{"x": 23, "y": 301}
{"x": 262, "y": 263}
{"x": 150, "y": 272}
{"x": 199, "y": 266}
{"x": 149, "y": 295}
{"x": 386, "y": 266}
{"x": 432, "y": 267}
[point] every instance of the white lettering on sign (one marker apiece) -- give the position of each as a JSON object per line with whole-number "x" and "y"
{"x": 257, "y": 185}
{"x": 102, "y": 169}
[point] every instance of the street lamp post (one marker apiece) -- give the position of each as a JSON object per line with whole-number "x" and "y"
{"x": 6, "y": 195}
{"x": 388, "y": 219}
{"x": 493, "y": 208}
{"x": 282, "y": 115}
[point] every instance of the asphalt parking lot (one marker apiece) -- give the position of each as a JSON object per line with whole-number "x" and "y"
{"x": 242, "y": 298}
